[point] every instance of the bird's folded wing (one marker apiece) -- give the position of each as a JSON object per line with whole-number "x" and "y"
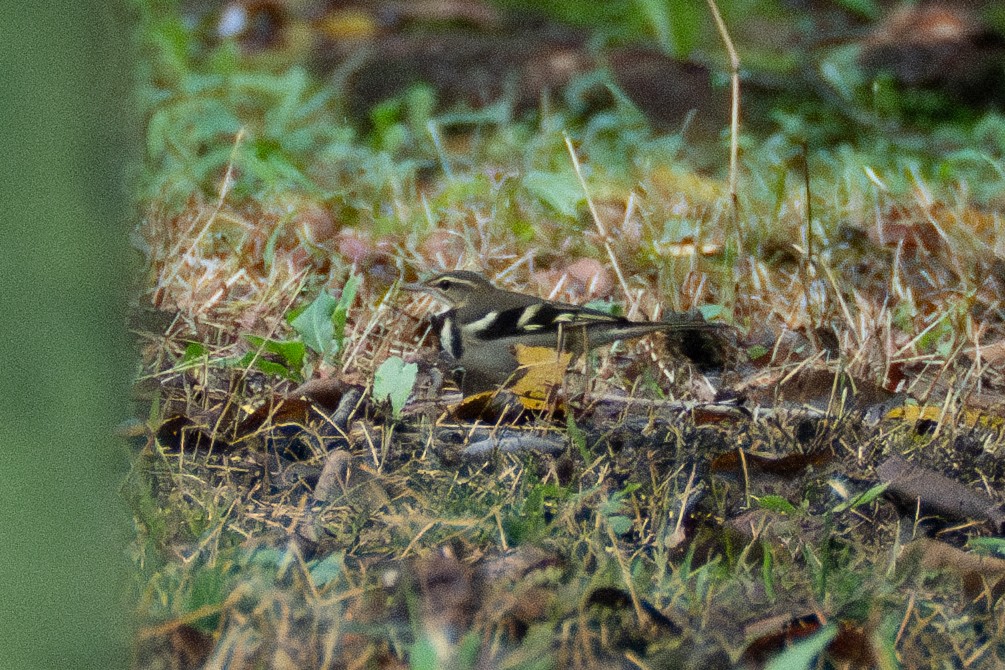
{"x": 536, "y": 318}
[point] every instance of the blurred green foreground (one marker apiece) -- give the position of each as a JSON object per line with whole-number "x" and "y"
{"x": 64, "y": 358}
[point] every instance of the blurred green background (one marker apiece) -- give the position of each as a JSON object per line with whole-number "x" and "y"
{"x": 64, "y": 358}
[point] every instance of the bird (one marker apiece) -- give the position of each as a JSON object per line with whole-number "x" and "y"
{"x": 483, "y": 323}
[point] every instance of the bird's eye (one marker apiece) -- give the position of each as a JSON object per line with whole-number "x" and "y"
{"x": 444, "y": 284}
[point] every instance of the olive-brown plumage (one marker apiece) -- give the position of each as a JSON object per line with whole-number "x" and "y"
{"x": 483, "y": 323}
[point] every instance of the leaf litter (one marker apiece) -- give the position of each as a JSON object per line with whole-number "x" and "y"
{"x": 817, "y": 480}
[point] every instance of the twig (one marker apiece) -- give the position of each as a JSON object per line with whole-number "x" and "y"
{"x": 807, "y": 263}
{"x": 596, "y": 218}
{"x": 225, "y": 184}
{"x": 734, "y": 113}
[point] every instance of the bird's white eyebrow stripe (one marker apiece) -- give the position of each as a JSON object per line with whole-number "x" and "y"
{"x": 481, "y": 325}
{"x": 528, "y": 315}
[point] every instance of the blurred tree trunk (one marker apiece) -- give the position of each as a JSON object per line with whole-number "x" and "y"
{"x": 64, "y": 356}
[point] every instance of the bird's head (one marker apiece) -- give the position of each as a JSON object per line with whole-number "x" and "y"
{"x": 454, "y": 289}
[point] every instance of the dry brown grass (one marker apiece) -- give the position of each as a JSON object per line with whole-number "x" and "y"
{"x": 669, "y": 530}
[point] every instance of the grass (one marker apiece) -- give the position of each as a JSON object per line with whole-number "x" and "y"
{"x": 640, "y": 544}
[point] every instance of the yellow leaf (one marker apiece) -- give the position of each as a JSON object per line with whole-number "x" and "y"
{"x": 541, "y": 371}
{"x": 532, "y": 386}
{"x": 969, "y": 418}
{"x": 348, "y": 24}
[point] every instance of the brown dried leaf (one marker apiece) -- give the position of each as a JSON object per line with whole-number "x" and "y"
{"x": 590, "y": 276}
{"x": 938, "y": 45}
{"x": 910, "y": 235}
{"x": 180, "y": 432}
{"x": 300, "y": 405}
{"x": 815, "y": 386}
{"x": 772, "y": 635}
{"x": 978, "y": 574}
{"x": 789, "y": 466}
{"x": 852, "y": 647}
{"x": 449, "y": 594}
{"x": 992, "y": 354}
{"x": 911, "y": 484}
{"x": 493, "y": 407}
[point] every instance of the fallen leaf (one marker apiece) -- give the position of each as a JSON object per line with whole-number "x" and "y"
{"x": 992, "y": 354}
{"x": 733, "y": 462}
{"x": 911, "y": 484}
{"x": 542, "y": 370}
{"x": 979, "y": 574}
{"x": 968, "y": 418}
{"x": 313, "y": 399}
{"x": 591, "y": 276}
{"x": 179, "y": 432}
{"x": 495, "y": 407}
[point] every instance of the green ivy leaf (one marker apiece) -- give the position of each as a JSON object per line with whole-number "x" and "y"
{"x": 619, "y": 524}
{"x": 394, "y": 381}
{"x": 606, "y": 306}
{"x": 250, "y": 360}
{"x": 991, "y": 546}
{"x": 866, "y": 8}
{"x": 291, "y": 351}
{"x": 322, "y": 323}
{"x": 468, "y": 650}
{"x": 315, "y": 326}
{"x": 711, "y": 311}
{"x": 342, "y": 308}
{"x": 194, "y": 352}
{"x": 776, "y": 504}
{"x": 327, "y": 569}
{"x": 423, "y": 655}
{"x": 560, "y": 190}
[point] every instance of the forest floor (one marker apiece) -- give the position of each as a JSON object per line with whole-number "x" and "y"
{"x": 818, "y": 484}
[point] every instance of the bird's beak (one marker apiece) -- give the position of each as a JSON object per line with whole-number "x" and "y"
{"x": 415, "y": 287}
{"x": 428, "y": 290}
